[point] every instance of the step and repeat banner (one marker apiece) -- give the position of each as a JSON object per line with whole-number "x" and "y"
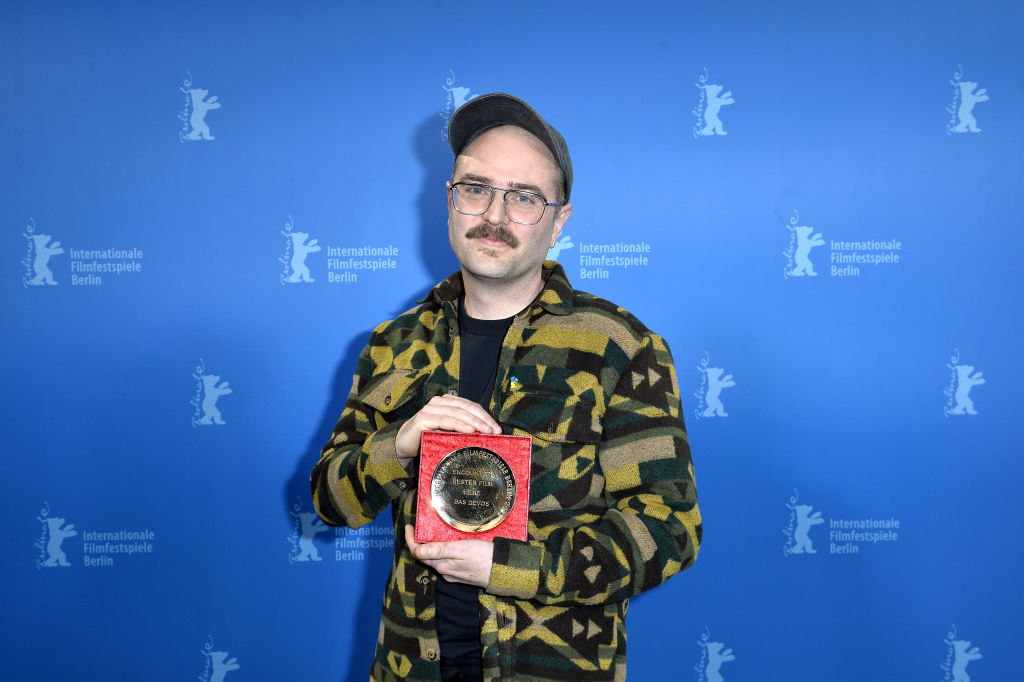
{"x": 208, "y": 206}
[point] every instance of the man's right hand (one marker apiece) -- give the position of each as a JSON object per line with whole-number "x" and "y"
{"x": 443, "y": 413}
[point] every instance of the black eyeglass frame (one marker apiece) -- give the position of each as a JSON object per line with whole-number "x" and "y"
{"x": 504, "y": 200}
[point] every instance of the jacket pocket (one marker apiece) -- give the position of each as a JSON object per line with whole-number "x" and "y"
{"x": 555, "y": 417}
{"x": 556, "y": 404}
{"x": 390, "y": 391}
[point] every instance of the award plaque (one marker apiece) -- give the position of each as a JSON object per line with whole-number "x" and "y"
{"x": 472, "y": 486}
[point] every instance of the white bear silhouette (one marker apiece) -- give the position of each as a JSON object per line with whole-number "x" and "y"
{"x": 56, "y": 556}
{"x": 962, "y": 656}
{"x": 40, "y": 263}
{"x": 716, "y": 657}
{"x": 221, "y": 667}
{"x": 804, "y": 243}
{"x": 211, "y": 392}
{"x": 311, "y": 525}
{"x": 968, "y": 98}
{"x": 965, "y": 381}
{"x": 300, "y": 249}
{"x": 716, "y": 382}
{"x": 559, "y": 246}
{"x": 198, "y": 118}
{"x": 804, "y": 520}
{"x": 713, "y": 124}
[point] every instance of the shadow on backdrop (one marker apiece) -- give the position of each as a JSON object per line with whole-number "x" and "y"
{"x": 435, "y": 157}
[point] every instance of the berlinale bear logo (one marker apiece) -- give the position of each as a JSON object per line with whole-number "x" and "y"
{"x": 964, "y": 654}
{"x": 958, "y": 391}
{"x": 797, "y": 531}
{"x": 296, "y": 248}
{"x": 804, "y": 520}
{"x": 58, "y": 531}
{"x": 713, "y": 381}
{"x": 959, "y": 653}
{"x": 966, "y": 379}
{"x": 209, "y": 389}
{"x": 713, "y": 124}
{"x": 218, "y": 665}
{"x": 716, "y": 382}
{"x": 37, "y": 260}
{"x": 712, "y": 99}
{"x": 802, "y": 239}
{"x": 961, "y": 110}
{"x": 54, "y": 532}
{"x": 300, "y": 249}
{"x": 307, "y": 526}
{"x": 200, "y": 106}
{"x": 193, "y": 115}
{"x": 42, "y": 258}
{"x": 968, "y": 98}
{"x": 212, "y": 390}
{"x": 712, "y": 657}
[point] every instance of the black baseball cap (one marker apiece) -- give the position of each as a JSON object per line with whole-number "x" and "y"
{"x": 498, "y": 109}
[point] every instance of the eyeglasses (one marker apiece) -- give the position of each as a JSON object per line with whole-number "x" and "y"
{"x": 525, "y": 208}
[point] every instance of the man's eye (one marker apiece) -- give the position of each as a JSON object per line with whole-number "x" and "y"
{"x": 474, "y": 190}
{"x": 526, "y": 199}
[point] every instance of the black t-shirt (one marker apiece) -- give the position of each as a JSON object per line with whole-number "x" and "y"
{"x": 458, "y": 611}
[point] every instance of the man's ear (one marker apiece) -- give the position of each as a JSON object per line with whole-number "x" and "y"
{"x": 563, "y": 215}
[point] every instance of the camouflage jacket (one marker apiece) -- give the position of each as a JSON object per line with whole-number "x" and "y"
{"x": 613, "y": 508}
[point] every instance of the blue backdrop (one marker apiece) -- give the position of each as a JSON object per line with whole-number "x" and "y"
{"x": 207, "y": 206}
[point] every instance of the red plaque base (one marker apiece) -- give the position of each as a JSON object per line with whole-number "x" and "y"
{"x": 435, "y": 446}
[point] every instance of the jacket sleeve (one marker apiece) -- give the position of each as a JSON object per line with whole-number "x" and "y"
{"x": 358, "y": 473}
{"x": 651, "y": 528}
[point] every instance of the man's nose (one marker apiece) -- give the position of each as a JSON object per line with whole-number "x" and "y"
{"x": 495, "y": 213}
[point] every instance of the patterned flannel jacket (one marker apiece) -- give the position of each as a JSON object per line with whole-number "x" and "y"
{"x": 613, "y": 508}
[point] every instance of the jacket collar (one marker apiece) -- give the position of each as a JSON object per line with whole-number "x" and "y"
{"x": 556, "y": 296}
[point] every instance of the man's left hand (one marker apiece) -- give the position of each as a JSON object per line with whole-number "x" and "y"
{"x": 459, "y": 561}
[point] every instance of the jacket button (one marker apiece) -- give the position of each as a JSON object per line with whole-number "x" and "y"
{"x": 453, "y": 392}
{"x": 387, "y": 400}
{"x": 401, "y": 484}
{"x": 432, "y": 654}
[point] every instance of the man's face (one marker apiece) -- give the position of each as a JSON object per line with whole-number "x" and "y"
{"x": 490, "y": 246}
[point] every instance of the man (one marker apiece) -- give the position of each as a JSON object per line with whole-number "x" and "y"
{"x": 505, "y": 345}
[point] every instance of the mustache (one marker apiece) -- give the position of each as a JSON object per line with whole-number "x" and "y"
{"x": 493, "y": 232}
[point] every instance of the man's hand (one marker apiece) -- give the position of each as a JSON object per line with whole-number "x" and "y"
{"x": 461, "y": 561}
{"x": 445, "y": 413}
